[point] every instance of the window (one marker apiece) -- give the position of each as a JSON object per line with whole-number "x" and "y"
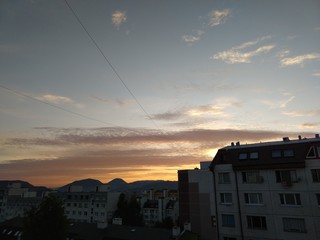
{"x": 226, "y": 198}
{"x": 256, "y": 222}
{"x": 253, "y": 198}
{"x": 294, "y": 225}
{"x": 318, "y": 198}
{"x": 315, "y": 175}
{"x": 251, "y": 177}
{"x": 276, "y": 153}
{"x": 290, "y": 199}
{"x": 288, "y": 153}
{"x": 254, "y": 155}
{"x": 311, "y": 153}
{"x": 286, "y": 176}
{"x": 243, "y": 156}
{"x": 224, "y": 177}
{"x": 228, "y": 220}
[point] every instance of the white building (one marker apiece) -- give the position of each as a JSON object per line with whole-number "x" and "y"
{"x": 90, "y": 207}
{"x": 268, "y": 190}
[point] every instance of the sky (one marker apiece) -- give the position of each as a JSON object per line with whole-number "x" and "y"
{"x": 140, "y": 89}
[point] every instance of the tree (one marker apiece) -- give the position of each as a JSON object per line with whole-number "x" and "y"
{"x": 46, "y": 222}
{"x": 129, "y": 211}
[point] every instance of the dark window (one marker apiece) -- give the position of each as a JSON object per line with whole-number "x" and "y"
{"x": 318, "y": 198}
{"x": 315, "y": 175}
{"x": 226, "y": 198}
{"x": 286, "y": 176}
{"x": 288, "y": 153}
{"x": 251, "y": 177}
{"x": 294, "y": 225}
{"x": 243, "y": 156}
{"x": 256, "y": 222}
{"x": 224, "y": 177}
{"x": 228, "y": 220}
{"x": 290, "y": 199}
{"x": 254, "y": 155}
{"x": 276, "y": 153}
{"x": 253, "y": 198}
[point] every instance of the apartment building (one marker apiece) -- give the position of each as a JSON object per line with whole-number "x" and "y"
{"x": 268, "y": 190}
{"x": 15, "y": 200}
{"x": 90, "y": 207}
{"x": 196, "y": 201}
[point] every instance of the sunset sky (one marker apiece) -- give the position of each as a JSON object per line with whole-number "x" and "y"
{"x": 146, "y": 87}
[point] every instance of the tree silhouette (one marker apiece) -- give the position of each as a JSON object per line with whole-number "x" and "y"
{"x": 46, "y": 222}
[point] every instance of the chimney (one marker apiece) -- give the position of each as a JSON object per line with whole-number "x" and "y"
{"x": 286, "y": 139}
{"x": 232, "y": 144}
{"x": 317, "y": 135}
{"x": 238, "y": 143}
{"x": 299, "y": 137}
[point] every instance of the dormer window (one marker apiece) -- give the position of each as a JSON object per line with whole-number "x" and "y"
{"x": 254, "y": 155}
{"x": 243, "y": 156}
{"x": 311, "y": 153}
{"x": 276, "y": 153}
{"x": 288, "y": 153}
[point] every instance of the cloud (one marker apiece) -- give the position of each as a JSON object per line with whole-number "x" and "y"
{"x": 106, "y": 153}
{"x": 55, "y": 99}
{"x": 278, "y": 104}
{"x": 115, "y": 102}
{"x": 302, "y": 113}
{"x": 238, "y": 55}
{"x": 310, "y": 125}
{"x": 316, "y": 74}
{"x": 218, "y": 17}
{"x": 190, "y": 39}
{"x": 118, "y": 18}
{"x": 298, "y": 60}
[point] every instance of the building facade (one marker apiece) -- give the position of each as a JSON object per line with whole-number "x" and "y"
{"x": 268, "y": 191}
{"x": 90, "y": 207}
{"x": 196, "y": 201}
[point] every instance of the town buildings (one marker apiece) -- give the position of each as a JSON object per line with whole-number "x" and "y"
{"x": 16, "y": 199}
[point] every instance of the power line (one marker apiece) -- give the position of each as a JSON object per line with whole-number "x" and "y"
{"x": 69, "y": 111}
{"x": 110, "y": 64}
{"x": 55, "y": 106}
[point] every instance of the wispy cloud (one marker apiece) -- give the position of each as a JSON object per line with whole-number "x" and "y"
{"x": 302, "y": 113}
{"x": 316, "y": 74}
{"x": 191, "y": 39}
{"x": 299, "y": 60}
{"x": 278, "y": 104}
{"x": 118, "y": 18}
{"x": 215, "y": 18}
{"x": 218, "y": 17}
{"x": 310, "y": 125}
{"x": 119, "y": 102}
{"x": 241, "y": 54}
{"x": 55, "y": 99}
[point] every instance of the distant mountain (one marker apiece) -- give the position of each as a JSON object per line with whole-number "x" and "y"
{"x": 6, "y": 183}
{"x": 87, "y": 184}
{"x": 120, "y": 185}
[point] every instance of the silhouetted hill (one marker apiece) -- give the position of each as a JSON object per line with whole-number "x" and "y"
{"x": 87, "y": 184}
{"x": 24, "y": 184}
{"x": 120, "y": 185}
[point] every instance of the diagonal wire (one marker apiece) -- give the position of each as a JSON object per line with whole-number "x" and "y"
{"x": 110, "y": 64}
{"x": 55, "y": 106}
